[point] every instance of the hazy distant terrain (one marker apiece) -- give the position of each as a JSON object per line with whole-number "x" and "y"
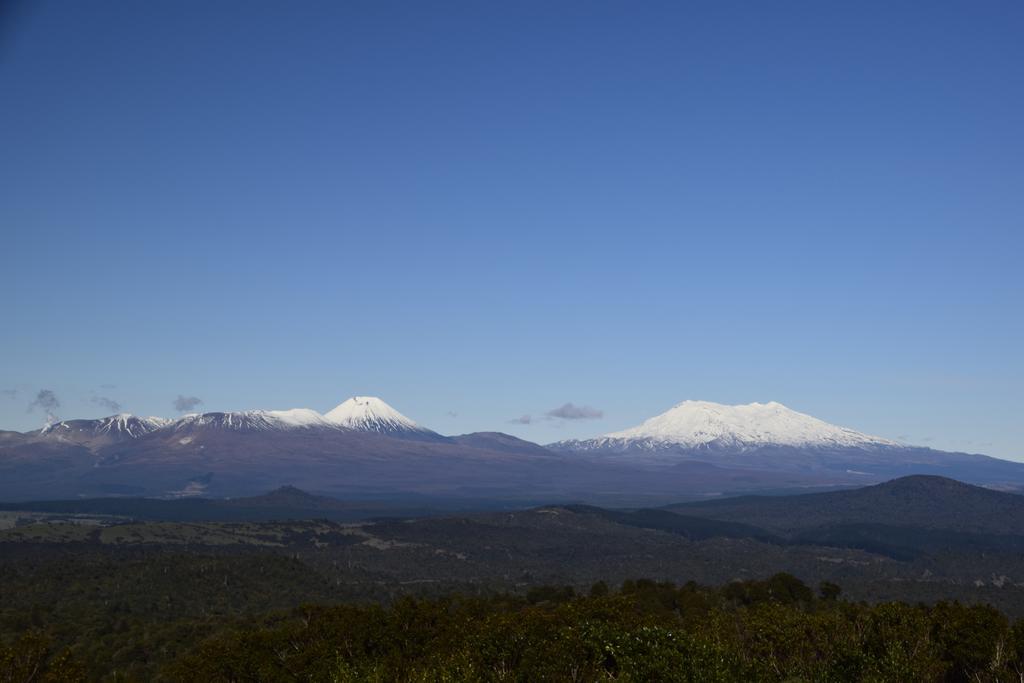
{"x": 928, "y": 535}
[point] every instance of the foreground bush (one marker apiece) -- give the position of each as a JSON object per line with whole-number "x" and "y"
{"x": 774, "y": 630}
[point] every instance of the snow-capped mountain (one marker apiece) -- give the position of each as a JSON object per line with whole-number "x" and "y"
{"x": 769, "y": 437}
{"x": 371, "y": 414}
{"x": 105, "y": 430}
{"x": 254, "y": 420}
{"x": 364, "y": 446}
{"x": 707, "y": 425}
{"x": 358, "y": 414}
{"x": 764, "y": 435}
{"x": 367, "y": 414}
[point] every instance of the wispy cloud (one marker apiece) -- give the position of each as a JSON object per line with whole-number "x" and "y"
{"x": 47, "y": 401}
{"x": 183, "y": 404}
{"x": 524, "y": 420}
{"x": 452, "y": 413}
{"x": 9, "y": 393}
{"x": 108, "y": 403}
{"x": 571, "y": 411}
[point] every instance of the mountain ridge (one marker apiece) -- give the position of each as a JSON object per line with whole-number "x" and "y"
{"x": 364, "y": 447}
{"x": 708, "y": 425}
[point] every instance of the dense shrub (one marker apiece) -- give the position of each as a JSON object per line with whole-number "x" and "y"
{"x": 770, "y": 630}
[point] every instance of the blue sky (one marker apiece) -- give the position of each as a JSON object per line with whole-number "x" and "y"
{"x": 480, "y": 211}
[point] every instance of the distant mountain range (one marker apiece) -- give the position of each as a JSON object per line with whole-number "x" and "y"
{"x": 364, "y": 449}
{"x": 770, "y": 436}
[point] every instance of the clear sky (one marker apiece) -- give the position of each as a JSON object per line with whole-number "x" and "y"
{"x": 484, "y": 210}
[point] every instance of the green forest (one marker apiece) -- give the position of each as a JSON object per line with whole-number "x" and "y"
{"x": 777, "y": 629}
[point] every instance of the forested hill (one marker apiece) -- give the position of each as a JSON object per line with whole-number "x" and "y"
{"x": 922, "y": 501}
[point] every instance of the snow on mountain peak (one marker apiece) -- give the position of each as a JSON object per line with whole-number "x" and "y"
{"x": 130, "y": 424}
{"x": 696, "y": 424}
{"x": 114, "y": 427}
{"x": 256, "y": 420}
{"x": 297, "y": 417}
{"x": 371, "y": 414}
